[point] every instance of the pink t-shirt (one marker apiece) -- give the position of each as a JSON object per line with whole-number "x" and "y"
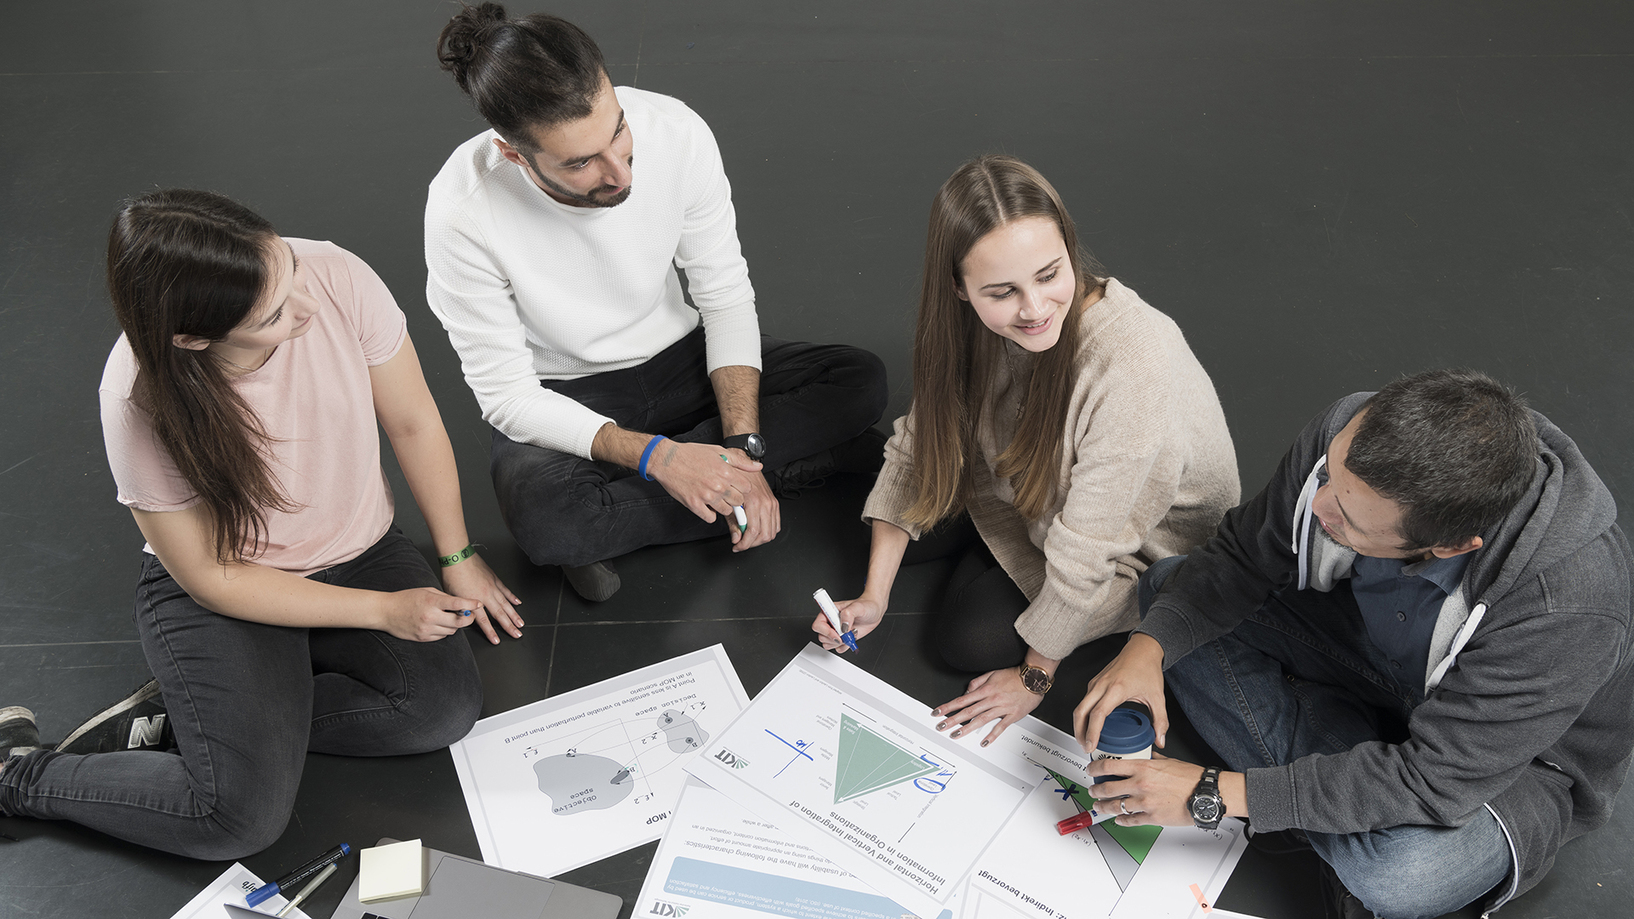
{"x": 314, "y": 398}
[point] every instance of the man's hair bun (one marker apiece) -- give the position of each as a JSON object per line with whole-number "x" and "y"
{"x": 465, "y": 35}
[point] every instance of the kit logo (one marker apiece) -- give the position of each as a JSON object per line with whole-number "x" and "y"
{"x": 730, "y": 759}
{"x": 146, "y": 731}
{"x": 660, "y": 908}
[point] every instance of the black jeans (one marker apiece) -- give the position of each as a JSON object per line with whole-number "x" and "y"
{"x": 976, "y": 626}
{"x": 566, "y": 510}
{"x": 246, "y": 702}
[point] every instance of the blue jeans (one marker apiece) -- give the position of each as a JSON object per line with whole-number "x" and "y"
{"x": 246, "y": 702}
{"x": 567, "y": 510}
{"x": 1300, "y": 676}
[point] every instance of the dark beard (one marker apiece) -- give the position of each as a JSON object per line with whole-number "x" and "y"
{"x": 594, "y": 199}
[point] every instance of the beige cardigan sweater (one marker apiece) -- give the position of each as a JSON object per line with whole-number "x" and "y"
{"x": 1147, "y": 470}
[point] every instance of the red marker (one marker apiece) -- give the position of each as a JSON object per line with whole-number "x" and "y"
{"x": 1086, "y": 820}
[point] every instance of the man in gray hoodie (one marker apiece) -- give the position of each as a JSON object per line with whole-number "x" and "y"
{"x": 1414, "y": 646}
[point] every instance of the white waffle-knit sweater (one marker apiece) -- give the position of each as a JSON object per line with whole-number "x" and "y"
{"x": 531, "y": 289}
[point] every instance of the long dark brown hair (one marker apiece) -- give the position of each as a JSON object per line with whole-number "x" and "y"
{"x": 195, "y": 263}
{"x": 954, "y": 355}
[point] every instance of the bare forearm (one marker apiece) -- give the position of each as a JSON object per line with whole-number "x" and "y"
{"x": 614, "y": 444}
{"x": 884, "y": 561}
{"x": 737, "y": 393}
{"x": 427, "y": 460}
{"x": 267, "y": 595}
{"x": 1037, "y": 659}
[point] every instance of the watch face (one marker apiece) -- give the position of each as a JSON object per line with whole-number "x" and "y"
{"x": 1205, "y": 809}
{"x": 1035, "y": 679}
{"x": 755, "y": 447}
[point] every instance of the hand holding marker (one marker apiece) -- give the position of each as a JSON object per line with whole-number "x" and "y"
{"x": 833, "y": 614}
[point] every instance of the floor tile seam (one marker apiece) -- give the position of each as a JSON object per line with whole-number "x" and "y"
{"x": 555, "y": 635}
{"x": 206, "y": 72}
{"x": 1581, "y": 55}
{"x": 798, "y": 616}
{"x": 71, "y": 644}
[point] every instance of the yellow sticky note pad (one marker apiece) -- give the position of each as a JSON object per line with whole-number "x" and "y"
{"x": 387, "y": 872}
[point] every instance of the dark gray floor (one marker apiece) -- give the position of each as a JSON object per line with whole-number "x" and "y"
{"x": 1324, "y": 196}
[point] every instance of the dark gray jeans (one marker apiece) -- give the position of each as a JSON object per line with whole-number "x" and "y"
{"x": 566, "y": 510}
{"x": 247, "y": 701}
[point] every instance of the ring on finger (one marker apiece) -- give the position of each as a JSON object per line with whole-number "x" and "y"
{"x": 1123, "y": 806}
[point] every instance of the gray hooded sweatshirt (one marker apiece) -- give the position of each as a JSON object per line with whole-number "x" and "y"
{"x": 1529, "y": 706}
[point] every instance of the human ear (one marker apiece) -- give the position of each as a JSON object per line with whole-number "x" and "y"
{"x": 959, "y": 289}
{"x": 510, "y": 153}
{"x": 1457, "y": 549}
{"x": 190, "y": 342}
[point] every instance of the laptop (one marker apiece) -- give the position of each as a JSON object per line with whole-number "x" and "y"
{"x": 463, "y": 888}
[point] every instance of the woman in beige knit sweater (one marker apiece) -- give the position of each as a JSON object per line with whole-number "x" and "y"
{"x": 1062, "y": 438}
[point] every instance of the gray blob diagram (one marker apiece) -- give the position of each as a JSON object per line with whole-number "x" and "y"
{"x": 579, "y": 780}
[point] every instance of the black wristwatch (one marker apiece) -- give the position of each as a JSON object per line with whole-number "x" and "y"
{"x": 752, "y": 445}
{"x": 1205, "y": 803}
{"x": 1036, "y": 679}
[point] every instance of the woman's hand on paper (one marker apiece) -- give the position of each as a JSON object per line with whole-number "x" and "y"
{"x": 996, "y": 696}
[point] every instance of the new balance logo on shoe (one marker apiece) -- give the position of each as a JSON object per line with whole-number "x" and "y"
{"x": 146, "y": 732}
{"x": 137, "y": 722}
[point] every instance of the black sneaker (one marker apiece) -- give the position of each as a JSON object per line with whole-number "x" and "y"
{"x": 18, "y": 733}
{"x": 1339, "y": 901}
{"x": 594, "y": 582}
{"x": 136, "y": 722}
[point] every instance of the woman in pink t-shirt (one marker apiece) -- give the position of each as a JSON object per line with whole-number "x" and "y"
{"x": 280, "y": 609}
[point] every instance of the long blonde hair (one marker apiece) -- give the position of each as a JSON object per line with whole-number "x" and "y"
{"x": 954, "y": 355}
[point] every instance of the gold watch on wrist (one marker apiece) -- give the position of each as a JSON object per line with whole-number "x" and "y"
{"x": 1036, "y": 679}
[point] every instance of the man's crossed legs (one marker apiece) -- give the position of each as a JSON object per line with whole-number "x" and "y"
{"x": 1300, "y": 676}
{"x": 816, "y": 402}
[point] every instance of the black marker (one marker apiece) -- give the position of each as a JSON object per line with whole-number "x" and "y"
{"x": 298, "y": 875}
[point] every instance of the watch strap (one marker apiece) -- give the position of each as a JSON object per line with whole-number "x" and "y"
{"x": 742, "y": 441}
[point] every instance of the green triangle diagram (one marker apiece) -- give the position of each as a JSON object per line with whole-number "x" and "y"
{"x": 869, "y": 762}
{"x": 1135, "y": 840}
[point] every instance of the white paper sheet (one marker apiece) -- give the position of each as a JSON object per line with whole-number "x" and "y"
{"x": 851, "y": 767}
{"x": 233, "y": 885}
{"x": 718, "y": 860}
{"x": 1105, "y": 870}
{"x": 578, "y": 777}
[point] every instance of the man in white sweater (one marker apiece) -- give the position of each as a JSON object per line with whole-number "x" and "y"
{"x": 622, "y": 416}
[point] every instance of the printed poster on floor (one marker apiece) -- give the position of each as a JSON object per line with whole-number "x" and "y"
{"x": 577, "y": 777}
{"x": 719, "y": 861}
{"x": 844, "y": 764}
{"x": 1143, "y": 872}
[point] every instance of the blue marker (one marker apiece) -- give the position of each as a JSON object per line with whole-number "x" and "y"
{"x": 311, "y": 868}
{"x": 833, "y": 614}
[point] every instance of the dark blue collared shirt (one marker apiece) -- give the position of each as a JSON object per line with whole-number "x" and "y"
{"x": 1400, "y": 601}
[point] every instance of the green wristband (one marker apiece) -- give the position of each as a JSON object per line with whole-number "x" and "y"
{"x": 450, "y": 560}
